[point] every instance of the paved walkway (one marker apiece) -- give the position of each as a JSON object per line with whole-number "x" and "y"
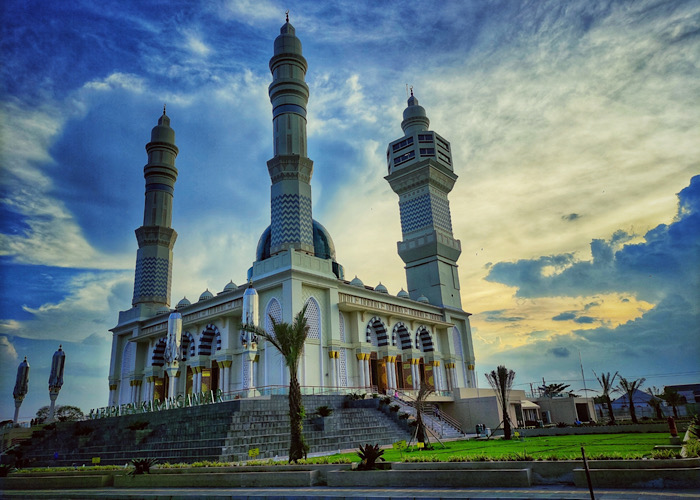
{"x": 315, "y": 493}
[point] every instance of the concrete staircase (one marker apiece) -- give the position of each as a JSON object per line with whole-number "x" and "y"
{"x": 264, "y": 425}
{"x": 439, "y": 424}
{"x": 217, "y": 432}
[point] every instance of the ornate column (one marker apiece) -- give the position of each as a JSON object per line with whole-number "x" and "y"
{"x": 368, "y": 377}
{"x": 112, "y": 394}
{"x": 226, "y": 375}
{"x": 333, "y": 356}
{"x": 56, "y": 380}
{"x": 416, "y": 373}
{"x": 361, "y": 369}
{"x": 21, "y": 387}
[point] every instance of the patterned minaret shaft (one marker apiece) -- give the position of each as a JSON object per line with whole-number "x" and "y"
{"x": 156, "y": 238}
{"x": 421, "y": 173}
{"x": 290, "y": 169}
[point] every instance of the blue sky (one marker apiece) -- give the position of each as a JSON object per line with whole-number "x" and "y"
{"x": 574, "y": 128}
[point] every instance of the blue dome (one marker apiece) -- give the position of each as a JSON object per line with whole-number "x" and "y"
{"x": 323, "y": 244}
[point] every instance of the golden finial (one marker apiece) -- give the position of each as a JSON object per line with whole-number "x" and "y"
{"x": 287, "y": 15}
{"x": 163, "y": 108}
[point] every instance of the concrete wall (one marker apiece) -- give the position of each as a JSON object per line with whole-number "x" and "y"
{"x": 564, "y": 409}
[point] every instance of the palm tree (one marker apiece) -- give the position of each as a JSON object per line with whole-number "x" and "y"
{"x": 630, "y": 387}
{"x": 672, "y": 398}
{"x": 606, "y": 381}
{"x": 655, "y": 401}
{"x": 421, "y": 434}
{"x": 501, "y": 381}
{"x": 289, "y": 341}
{"x": 552, "y": 390}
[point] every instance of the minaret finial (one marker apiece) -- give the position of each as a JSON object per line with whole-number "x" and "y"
{"x": 163, "y": 108}
{"x": 287, "y": 15}
{"x": 411, "y": 90}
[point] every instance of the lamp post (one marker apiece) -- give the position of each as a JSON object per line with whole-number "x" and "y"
{"x": 21, "y": 387}
{"x": 56, "y": 379}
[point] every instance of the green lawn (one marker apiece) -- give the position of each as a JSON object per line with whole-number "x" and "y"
{"x": 559, "y": 447}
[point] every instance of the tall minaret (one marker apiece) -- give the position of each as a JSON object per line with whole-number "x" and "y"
{"x": 154, "y": 259}
{"x": 290, "y": 169}
{"x": 421, "y": 173}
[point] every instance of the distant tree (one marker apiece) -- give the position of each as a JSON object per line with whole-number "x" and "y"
{"x": 673, "y": 399}
{"x": 552, "y": 390}
{"x": 289, "y": 340}
{"x": 65, "y": 413}
{"x": 501, "y": 380}
{"x": 629, "y": 387}
{"x": 606, "y": 381}
{"x": 655, "y": 401}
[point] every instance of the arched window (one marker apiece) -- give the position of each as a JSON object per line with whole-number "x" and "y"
{"x": 206, "y": 338}
{"x": 273, "y": 309}
{"x": 313, "y": 318}
{"x": 376, "y": 332}
{"x": 187, "y": 346}
{"x": 158, "y": 358}
{"x": 424, "y": 341}
{"x": 401, "y": 337}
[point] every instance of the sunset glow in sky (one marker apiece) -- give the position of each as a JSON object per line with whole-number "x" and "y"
{"x": 575, "y": 135}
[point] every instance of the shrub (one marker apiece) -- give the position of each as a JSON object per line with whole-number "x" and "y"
{"x": 6, "y": 469}
{"x": 324, "y": 411}
{"x": 692, "y": 448}
{"x": 394, "y": 408}
{"x": 561, "y": 425}
{"x": 661, "y": 454}
{"x": 421, "y": 458}
{"x": 142, "y": 465}
{"x": 369, "y": 456}
{"x": 385, "y": 400}
{"x": 403, "y": 416}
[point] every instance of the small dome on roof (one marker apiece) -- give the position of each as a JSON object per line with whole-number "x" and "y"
{"x": 183, "y": 303}
{"x": 163, "y": 310}
{"x": 423, "y": 299}
{"x": 206, "y": 295}
{"x": 357, "y": 282}
{"x": 230, "y": 287}
{"x": 380, "y": 288}
{"x": 403, "y": 294}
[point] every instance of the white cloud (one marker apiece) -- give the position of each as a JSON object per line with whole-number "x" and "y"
{"x": 8, "y": 353}
{"x": 89, "y": 308}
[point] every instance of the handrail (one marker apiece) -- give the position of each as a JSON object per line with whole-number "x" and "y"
{"x": 440, "y": 414}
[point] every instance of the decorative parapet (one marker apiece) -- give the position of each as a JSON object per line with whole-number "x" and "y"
{"x": 352, "y": 302}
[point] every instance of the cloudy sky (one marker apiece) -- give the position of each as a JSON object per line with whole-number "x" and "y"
{"x": 574, "y": 128}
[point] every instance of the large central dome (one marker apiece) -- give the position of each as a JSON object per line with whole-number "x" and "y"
{"x": 323, "y": 246}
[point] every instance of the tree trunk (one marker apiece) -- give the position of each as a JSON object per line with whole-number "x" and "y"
{"x": 633, "y": 414}
{"x": 506, "y": 422}
{"x": 611, "y": 414}
{"x": 297, "y": 448}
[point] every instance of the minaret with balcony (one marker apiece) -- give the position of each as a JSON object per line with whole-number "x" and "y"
{"x": 154, "y": 258}
{"x": 421, "y": 173}
{"x": 290, "y": 169}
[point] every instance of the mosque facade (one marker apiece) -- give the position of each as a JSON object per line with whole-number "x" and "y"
{"x": 361, "y": 338}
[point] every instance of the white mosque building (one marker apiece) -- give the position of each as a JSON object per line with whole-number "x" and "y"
{"x": 361, "y": 338}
